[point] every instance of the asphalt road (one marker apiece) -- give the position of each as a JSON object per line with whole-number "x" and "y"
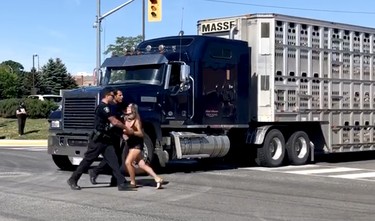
{"x": 32, "y": 188}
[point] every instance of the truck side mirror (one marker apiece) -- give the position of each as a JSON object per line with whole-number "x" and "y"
{"x": 99, "y": 76}
{"x": 184, "y": 72}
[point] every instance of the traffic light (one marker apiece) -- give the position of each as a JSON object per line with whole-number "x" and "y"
{"x": 154, "y": 10}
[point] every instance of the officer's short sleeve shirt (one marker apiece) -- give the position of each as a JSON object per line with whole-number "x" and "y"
{"x": 103, "y": 112}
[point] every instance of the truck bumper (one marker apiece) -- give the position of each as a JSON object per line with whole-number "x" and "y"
{"x": 68, "y": 145}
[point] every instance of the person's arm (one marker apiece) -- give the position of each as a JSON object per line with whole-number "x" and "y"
{"x": 105, "y": 111}
{"x": 115, "y": 122}
{"x": 138, "y": 132}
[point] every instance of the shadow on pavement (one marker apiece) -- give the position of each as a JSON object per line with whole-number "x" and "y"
{"x": 31, "y": 131}
{"x": 192, "y": 166}
{"x": 201, "y": 166}
{"x": 345, "y": 157}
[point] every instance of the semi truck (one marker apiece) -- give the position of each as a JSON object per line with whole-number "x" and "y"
{"x": 278, "y": 87}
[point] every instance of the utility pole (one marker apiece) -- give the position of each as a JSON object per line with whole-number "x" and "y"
{"x": 98, "y": 27}
{"x": 143, "y": 20}
{"x": 33, "y": 89}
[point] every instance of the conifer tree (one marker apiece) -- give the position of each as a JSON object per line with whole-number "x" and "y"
{"x": 54, "y": 77}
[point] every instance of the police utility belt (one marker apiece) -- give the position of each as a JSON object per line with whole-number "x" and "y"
{"x": 99, "y": 136}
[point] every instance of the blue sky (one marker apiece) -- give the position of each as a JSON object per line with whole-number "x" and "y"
{"x": 64, "y": 28}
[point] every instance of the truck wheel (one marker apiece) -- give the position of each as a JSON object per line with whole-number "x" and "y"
{"x": 298, "y": 148}
{"x": 148, "y": 149}
{"x": 63, "y": 162}
{"x": 272, "y": 153}
{"x": 148, "y": 156}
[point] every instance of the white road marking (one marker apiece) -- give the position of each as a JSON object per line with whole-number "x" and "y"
{"x": 13, "y": 174}
{"x": 280, "y": 168}
{"x": 322, "y": 171}
{"x": 355, "y": 175}
{"x": 34, "y": 149}
{"x": 326, "y": 170}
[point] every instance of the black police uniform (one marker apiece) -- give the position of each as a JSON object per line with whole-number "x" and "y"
{"x": 99, "y": 143}
{"x": 116, "y": 136}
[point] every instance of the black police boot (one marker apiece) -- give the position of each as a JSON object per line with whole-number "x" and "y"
{"x": 125, "y": 187}
{"x": 73, "y": 184}
{"x": 93, "y": 176}
{"x": 113, "y": 182}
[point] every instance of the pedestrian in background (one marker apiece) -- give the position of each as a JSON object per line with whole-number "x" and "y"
{"x": 21, "y": 117}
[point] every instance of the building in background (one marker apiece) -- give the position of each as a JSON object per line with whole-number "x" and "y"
{"x": 84, "y": 79}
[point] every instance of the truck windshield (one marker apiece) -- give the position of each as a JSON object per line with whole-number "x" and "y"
{"x": 151, "y": 74}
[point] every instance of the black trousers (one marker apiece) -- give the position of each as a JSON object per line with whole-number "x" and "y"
{"x": 21, "y": 123}
{"x": 103, "y": 167}
{"x": 94, "y": 150}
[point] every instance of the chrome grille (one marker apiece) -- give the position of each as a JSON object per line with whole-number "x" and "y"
{"x": 79, "y": 113}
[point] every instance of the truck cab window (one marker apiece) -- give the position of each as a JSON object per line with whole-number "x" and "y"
{"x": 175, "y": 76}
{"x": 151, "y": 74}
{"x": 117, "y": 76}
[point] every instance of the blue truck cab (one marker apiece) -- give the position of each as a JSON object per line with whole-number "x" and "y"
{"x": 193, "y": 94}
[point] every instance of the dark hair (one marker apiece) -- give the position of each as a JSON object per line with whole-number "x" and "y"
{"x": 115, "y": 91}
{"x": 107, "y": 91}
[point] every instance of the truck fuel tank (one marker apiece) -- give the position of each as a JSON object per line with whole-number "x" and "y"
{"x": 191, "y": 145}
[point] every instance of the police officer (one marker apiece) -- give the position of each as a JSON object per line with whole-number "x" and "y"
{"x": 100, "y": 143}
{"x": 116, "y": 135}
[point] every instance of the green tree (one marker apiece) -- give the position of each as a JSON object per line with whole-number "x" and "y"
{"x": 8, "y": 83}
{"x": 54, "y": 77}
{"x": 24, "y": 84}
{"x": 24, "y": 79}
{"x": 123, "y": 43}
{"x": 14, "y": 66}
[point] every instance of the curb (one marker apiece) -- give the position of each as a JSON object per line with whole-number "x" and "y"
{"x": 23, "y": 143}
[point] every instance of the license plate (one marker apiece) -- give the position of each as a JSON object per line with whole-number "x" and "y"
{"x": 76, "y": 160}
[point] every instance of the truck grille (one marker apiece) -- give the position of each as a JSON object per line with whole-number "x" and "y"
{"x": 79, "y": 113}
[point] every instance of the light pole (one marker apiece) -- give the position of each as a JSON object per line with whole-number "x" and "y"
{"x": 38, "y": 65}
{"x": 143, "y": 20}
{"x": 33, "y": 91}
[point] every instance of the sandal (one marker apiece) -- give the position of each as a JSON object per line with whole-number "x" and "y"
{"x": 132, "y": 185}
{"x": 159, "y": 183}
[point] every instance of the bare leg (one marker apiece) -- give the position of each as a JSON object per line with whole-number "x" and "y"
{"x": 131, "y": 157}
{"x": 142, "y": 164}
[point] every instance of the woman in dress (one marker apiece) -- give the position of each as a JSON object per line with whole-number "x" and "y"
{"x": 134, "y": 140}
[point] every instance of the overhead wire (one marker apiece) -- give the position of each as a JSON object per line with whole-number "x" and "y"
{"x": 293, "y": 8}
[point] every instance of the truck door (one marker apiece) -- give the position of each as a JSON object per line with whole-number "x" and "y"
{"x": 178, "y": 96}
{"x": 219, "y": 95}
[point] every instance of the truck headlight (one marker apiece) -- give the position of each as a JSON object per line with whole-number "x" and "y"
{"x": 55, "y": 124}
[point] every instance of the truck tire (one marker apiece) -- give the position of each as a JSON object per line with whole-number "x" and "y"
{"x": 63, "y": 162}
{"x": 298, "y": 148}
{"x": 148, "y": 156}
{"x": 272, "y": 153}
{"x": 148, "y": 149}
